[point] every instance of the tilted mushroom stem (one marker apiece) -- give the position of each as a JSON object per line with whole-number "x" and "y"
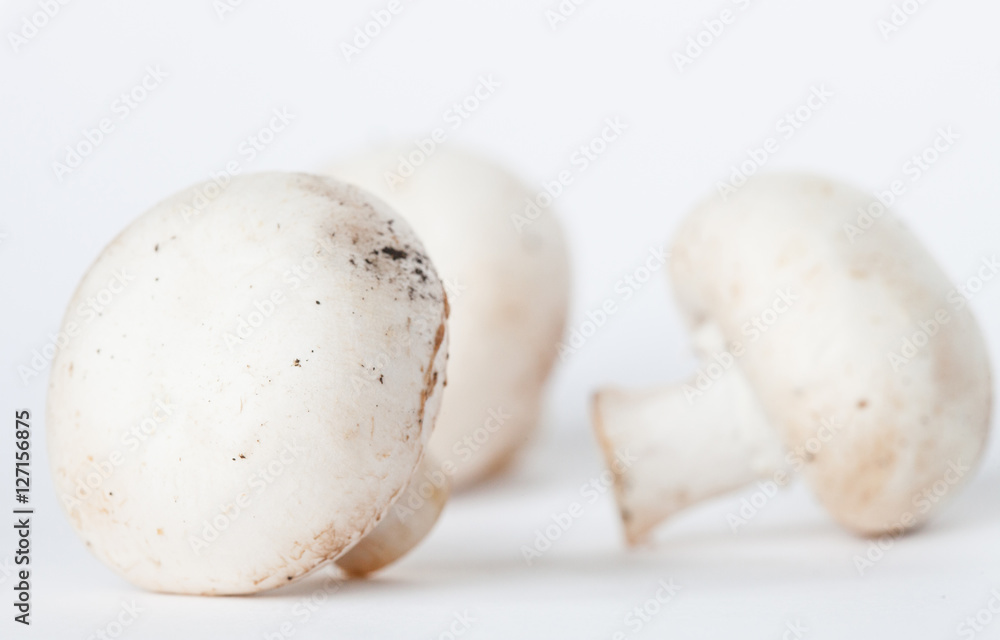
{"x": 681, "y": 450}
{"x": 397, "y": 534}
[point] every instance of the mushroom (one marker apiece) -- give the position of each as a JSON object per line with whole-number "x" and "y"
{"x": 838, "y": 349}
{"x": 505, "y": 265}
{"x": 206, "y": 430}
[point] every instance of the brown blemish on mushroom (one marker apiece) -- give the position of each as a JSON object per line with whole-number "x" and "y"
{"x": 394, "y": 253}
{"x": 853, "y": 485}
{"x": 431, "y": 374}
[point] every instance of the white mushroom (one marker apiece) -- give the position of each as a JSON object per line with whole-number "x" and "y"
{"x": 508, "y": 284}
{"x": 841, "y": 351}
{"x": 206, "y": 427}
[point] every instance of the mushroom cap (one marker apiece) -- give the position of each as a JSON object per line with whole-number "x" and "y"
{"x": 900, "y": 428}
{"x": 248, "y": 387}
{"x": 509, "y": 291}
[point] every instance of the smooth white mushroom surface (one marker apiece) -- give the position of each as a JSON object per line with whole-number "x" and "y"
{"x": 215, "y": 427}
{"x": 506, "y": 269}
{"x": 838, "y": 350}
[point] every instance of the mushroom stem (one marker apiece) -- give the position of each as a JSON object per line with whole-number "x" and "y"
{"x": 406, "y": 523}
{"x": 675, "y": 446}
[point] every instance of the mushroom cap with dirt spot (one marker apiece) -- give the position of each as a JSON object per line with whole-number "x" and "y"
{"x": 229, "y": 420}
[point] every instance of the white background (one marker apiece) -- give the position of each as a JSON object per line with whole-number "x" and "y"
{"x": 790, "y": 564}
